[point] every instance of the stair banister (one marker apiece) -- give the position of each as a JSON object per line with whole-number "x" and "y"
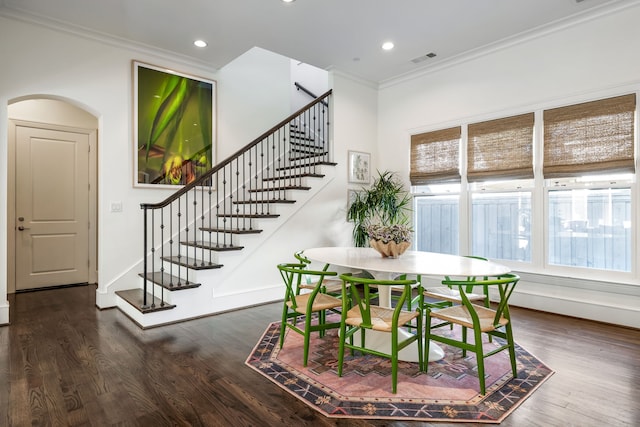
{"x": 232, "y": 193}
{"x": 203, "y": 178}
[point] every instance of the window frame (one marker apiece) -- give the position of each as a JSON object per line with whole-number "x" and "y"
{"x": 539, "y": 264}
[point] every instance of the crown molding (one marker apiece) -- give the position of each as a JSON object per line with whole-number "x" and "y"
{"x": 107, "y": 39}
{"x": 610, "y": 8}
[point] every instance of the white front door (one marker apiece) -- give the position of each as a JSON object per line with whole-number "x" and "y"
{"x": 52, "y": 207}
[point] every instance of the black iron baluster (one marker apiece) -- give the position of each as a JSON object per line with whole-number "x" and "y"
{"x": 153, "y": 257}
{"x": 145, "y": 263}
{"x": 171, "y": 246}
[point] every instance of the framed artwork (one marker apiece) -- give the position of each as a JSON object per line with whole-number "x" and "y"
{"x": 359, "y": 167}
{"x": 173, "y": 126}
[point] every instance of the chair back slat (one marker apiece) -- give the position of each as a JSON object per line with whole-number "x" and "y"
{"x": 363, "y": 299}
{"x": 505, "y": 283}
{"x": 292, "y": 275}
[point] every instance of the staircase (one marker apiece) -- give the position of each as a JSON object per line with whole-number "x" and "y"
{"x": 202, "y": 224}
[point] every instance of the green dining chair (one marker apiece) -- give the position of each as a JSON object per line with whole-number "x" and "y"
{"x": 331, "y": 286}
{"x": 446, "y": 295}
{"x": 480, "y": 319}
{"x": 361, "y": 314}
{"x": 298, "y": 303}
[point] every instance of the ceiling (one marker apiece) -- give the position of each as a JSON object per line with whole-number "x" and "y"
{"x": 345, "y": 35}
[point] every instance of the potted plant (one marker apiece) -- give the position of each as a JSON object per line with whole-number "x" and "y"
{"x": 386, "y": 203}
{"x": 389, "y": 240}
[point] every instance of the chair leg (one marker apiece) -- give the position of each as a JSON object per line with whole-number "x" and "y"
{"x": 479, "y": 359}
{"x": 464, "y": 340}
{"x": 307, "y": 337}
{"x": 283, "y": 325}
{"x": 394, "y": 361}
{"x": 512, "y": 350}
{"x": 427, "y": 340}
{"x": 343, "y": 331}
{"x": 322, "y": 319}
{"x": 487, "y": 303}
{"x": 419, "y": 334}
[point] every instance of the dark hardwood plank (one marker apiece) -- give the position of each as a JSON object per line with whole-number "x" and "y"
{"x": 63, "y": 362}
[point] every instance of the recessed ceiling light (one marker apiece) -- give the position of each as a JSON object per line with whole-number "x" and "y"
{"x": 200, "y": 43}
{"x": 288, "y": 1}
{"x": 387, "y": 45}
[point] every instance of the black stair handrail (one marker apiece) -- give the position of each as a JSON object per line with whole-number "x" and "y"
{"x": 204, "y": 178}
{"x": 206, "y": 213}
{"x": 308, "y": 92}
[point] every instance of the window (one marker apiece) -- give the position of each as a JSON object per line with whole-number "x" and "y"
{"x": 437, "y": 223}
{"x": 501, "y": 210}
{"x": 590, "y": 227}
{"x": 501, "y": 225}
{"x": 575, "y": 212}
{"x": 589, "y": 223}
{"x": 435, "y": 171}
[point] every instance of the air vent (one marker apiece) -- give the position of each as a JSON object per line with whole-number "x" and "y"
{"x": 423, "y": 58}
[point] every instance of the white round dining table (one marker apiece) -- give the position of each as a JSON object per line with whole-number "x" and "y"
{"x": 411, "y": 263}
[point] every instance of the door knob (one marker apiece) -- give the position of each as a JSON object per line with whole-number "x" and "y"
{"x": 21, "y": 228}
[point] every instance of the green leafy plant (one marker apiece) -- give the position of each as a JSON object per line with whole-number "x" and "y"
{"x": 386, "y": 203}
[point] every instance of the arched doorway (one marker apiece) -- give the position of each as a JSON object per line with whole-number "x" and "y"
{"x": 52, "y": 194}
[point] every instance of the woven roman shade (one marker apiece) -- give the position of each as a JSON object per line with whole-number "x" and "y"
{"x": 591, "y": 137}
{"x": 435, "y": 156}
{"x": 501, "y": 148}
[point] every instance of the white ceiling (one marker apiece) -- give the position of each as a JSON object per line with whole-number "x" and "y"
{"x": 331, "y": 34}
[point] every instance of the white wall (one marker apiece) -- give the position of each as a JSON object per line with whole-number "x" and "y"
{"x": 253, "y": 94}
{"x": 311, "y": 78}
{"x": 252, "y": 97}
{"x": 589, "y": 60}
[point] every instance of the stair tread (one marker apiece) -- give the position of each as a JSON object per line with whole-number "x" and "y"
{"x": 135, "y": 297}
{"x": 297, "y": 175}
{"x": 194, "y": 264}
{"x": 248, "y": 215}
{"x": 302, "y": 144}
{"x": 230, "y": 230}
{"x": 169, "y": 282}
{"x": 295, "y": 138}
{"x": 284, "y": 187}
{"x": 305, "y": 156}
{"x": 259, "y": 202}
{"x": 316, "y": 151}
{"x": 306, "y": 165}
{"x": 212, "y": 246}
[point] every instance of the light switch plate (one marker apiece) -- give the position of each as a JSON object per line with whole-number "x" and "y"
{"x": 116, "y": 206}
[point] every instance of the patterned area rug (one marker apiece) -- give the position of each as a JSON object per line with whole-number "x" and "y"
{"x": 449, "y": 392}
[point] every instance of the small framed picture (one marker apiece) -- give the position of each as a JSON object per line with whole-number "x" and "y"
{"x": 359, "y": 167}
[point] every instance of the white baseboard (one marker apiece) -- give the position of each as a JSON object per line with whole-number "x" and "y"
{"x": 617, "y": 304}
{"x": 4, "y": 313}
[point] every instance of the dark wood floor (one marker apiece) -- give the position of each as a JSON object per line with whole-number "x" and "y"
{"x": 65, "y": 363}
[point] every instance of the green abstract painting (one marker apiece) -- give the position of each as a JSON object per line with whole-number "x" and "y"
{"x": 174, "y": 126}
